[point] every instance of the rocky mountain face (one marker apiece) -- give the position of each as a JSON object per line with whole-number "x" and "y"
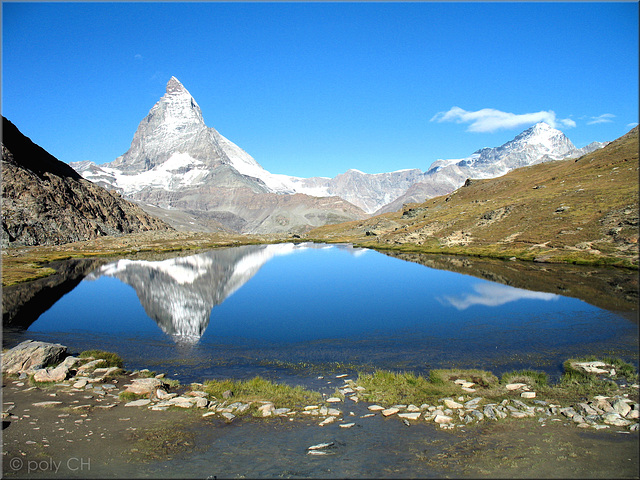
{"x": 178, "y": 164}
{"x": 46, "y": 202}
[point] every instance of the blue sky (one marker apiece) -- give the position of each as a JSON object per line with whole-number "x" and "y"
{"x": 313, "y": 89}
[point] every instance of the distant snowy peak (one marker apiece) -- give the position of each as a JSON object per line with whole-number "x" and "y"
{"x": 545, "y": 138}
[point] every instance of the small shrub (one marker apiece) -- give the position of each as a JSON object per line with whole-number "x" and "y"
{"x": 111, "y": 359}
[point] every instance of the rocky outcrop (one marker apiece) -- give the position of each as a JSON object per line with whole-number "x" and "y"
{"x": 30, "y": 356}
{"x": 45, "y": 202}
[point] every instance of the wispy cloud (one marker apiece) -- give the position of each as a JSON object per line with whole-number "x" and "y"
{"x": 632, "y": 125}
{"x": 604, "y": 118}
{"x": 489, "y": 120}
{"x": 493, "y": 295}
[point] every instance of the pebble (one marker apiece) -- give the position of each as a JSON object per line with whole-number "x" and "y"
{"x": 347, "y": 425}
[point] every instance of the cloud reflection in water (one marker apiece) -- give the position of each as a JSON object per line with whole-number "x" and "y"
{"x": 493, "y": 295}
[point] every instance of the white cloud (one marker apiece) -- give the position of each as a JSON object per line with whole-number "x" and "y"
{"x": 604, "y": 118}
{"x": 632, "y": 125}
{"x": 493, "y": 295}
{"x": 490, "y": 119}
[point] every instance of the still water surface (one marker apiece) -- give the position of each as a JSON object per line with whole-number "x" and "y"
{"x": 281, "y": 310}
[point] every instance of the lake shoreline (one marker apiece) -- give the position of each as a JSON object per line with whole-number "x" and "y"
{"x": 137, "y": 435}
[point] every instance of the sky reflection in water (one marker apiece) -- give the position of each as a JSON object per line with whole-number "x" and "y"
{"x": 296, "y": 298}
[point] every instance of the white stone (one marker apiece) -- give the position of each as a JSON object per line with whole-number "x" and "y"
{"x": 327, "y": 421}
{"x": 346, "y": 425}
{"x": 410, "y": 416}
{"x": 320, "y": 446}
{"x": 442, "y": 419}
{"x": 451, "y": 404}
{"x": 515, "y": 386}
{"x": 138, "y": 403}
{"x": 46, "y": 404}
{"x": 375, "y": 408}
{"x": 528, "y": 394}
{"x": 80, "y": 383}
{"x": 333, "y": 400}
{"x": 390, "y": 411}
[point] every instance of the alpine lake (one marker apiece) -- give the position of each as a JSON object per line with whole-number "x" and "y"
{"x": 308, "y": 314}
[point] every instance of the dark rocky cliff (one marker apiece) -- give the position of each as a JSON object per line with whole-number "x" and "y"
{"x": 45, "y": 202}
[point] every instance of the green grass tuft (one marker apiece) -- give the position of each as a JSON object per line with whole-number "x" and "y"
{"x": 260, "y": 389}
{"x": 111, "y": 359}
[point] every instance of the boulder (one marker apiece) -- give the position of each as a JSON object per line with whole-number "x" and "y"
{"x": 91, "y": 365}
{"x": 29, "y": 356}
{"x": 266, "y": 409}
{"x": 615, "y": 419}
{"x": 621, "y": 407}
{"x": 390, "y": 411}
{"x": 57, "y": 374}
{"x": 410, "y": 415}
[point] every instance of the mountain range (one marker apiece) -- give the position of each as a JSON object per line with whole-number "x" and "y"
{"x": 582, "y": 210}
{"x": 195, "y": 179}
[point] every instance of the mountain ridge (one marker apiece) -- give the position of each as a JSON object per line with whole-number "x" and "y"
{"x": 580, "y": 210}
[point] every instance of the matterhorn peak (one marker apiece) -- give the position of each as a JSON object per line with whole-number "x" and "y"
{"x": 174, "y": 86}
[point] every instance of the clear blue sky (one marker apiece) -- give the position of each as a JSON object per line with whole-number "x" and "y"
{"x": 317, "y": 88}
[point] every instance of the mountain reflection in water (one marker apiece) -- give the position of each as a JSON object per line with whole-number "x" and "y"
{"x": 179, "y": 293}
{"x": 310, "y": 304}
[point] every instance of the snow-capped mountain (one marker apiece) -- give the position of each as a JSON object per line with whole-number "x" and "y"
{"x": 539, "y": 143}
{"x": 178, "y": 164}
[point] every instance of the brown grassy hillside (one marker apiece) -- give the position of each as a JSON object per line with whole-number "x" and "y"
{"x": 577, "y": 211}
